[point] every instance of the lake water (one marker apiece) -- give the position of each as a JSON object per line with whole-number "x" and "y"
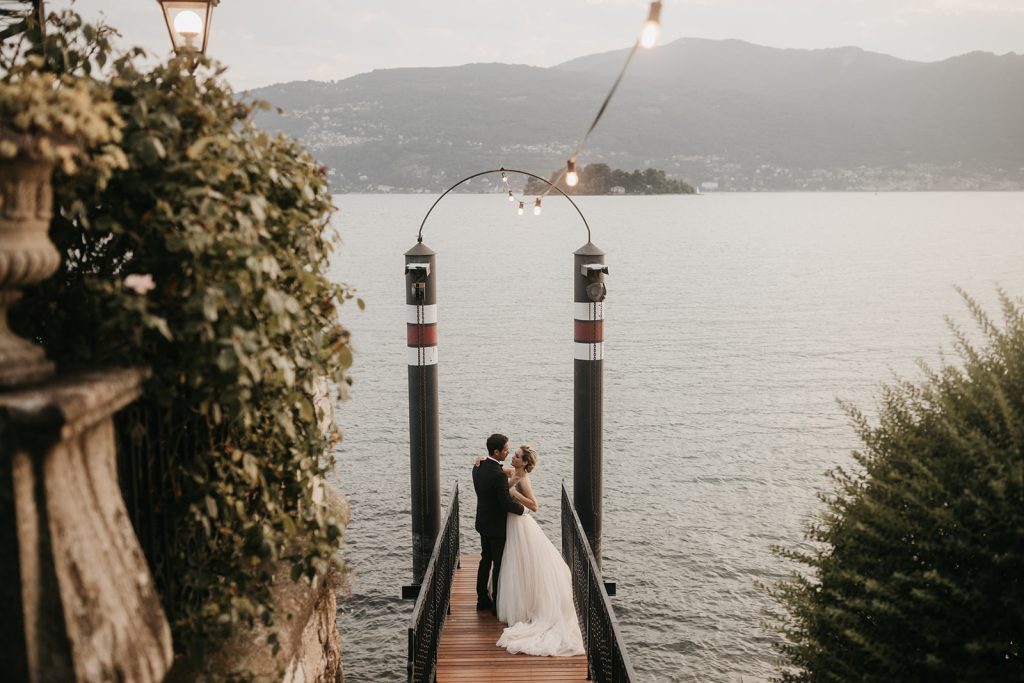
{"x": 734, "y": 322}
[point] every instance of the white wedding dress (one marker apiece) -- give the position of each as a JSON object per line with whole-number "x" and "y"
{"x": 535, "y": 594}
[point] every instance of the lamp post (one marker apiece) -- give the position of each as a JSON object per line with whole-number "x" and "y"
{"x": 188, "y": 23}
{"x": 39, "y": 9}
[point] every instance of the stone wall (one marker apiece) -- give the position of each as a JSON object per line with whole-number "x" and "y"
{"x": 305, "y": 618}
{"x": 305, "y": 614}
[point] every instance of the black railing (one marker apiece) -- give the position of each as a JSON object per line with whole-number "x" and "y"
{"x": 607, "y": 660}
{"x": 150, "y": 439}
{"x": 433, "y": 603}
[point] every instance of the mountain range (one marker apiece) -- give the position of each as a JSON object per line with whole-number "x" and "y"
{"x": 720, "y": 114}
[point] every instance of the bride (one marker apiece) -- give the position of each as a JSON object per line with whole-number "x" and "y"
{"x": 536, "y": 589}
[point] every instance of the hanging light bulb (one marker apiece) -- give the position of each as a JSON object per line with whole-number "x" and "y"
{"x": 504, "y": 178}
{"x": 536, "y": 207}
{"x": 649, "y": 36}
{"x": 572, "y": 179}
{"x": 520, "y": 208}
{"x": 510, "y": 197}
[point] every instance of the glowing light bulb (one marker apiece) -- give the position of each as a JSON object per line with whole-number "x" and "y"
{"x": 520, "y": 208}
{"x": 652, "y": 28}
{"x": 536, "y": 207}
{"x": 510, "y": 197}
{"x": 189, "y": 26}
{"x": 572, "y": 179}
{"x": 504, "y": 178}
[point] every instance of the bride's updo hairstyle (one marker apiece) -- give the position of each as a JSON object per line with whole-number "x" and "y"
{"x": 529, "y": 457}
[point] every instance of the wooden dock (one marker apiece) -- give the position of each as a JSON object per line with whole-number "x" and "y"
{"x": 468, "y": 650}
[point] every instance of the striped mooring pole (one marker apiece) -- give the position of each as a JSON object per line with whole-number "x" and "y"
{"x": 588, "y": 275}
{"x": 424, "y": 431}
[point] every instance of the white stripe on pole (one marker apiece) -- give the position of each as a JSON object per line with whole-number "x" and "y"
{"x": 589, "y": 351}
{"x": 424, "y": 355}
{"x": 588, "y": 311}
{"x": 421, "y": 315}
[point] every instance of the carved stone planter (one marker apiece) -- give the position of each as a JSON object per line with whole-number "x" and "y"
{"x": 26, "y": 257}
{"x": 79, "y": 603}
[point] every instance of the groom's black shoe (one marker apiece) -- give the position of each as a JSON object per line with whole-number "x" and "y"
{"x": 483, "y": 605}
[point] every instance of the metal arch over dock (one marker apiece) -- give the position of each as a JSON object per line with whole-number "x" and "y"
{"x": 502, "y": 170}
{"x": 447, "y": 638}
{"x": 421, "y": 298}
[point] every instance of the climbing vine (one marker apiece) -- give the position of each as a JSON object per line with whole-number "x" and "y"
{"x": 204, "y": 258}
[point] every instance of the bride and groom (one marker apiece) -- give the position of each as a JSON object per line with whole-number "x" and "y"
{"x": 522, "y": 577}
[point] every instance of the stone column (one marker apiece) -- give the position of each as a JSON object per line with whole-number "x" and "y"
{"x": 84, "y": 604}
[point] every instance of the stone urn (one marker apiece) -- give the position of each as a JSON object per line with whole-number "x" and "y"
{"x": 27, "y": 256}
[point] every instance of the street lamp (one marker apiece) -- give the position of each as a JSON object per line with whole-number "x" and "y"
{"x": 188, "y": 23}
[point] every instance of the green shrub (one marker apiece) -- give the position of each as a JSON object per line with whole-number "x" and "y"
{"x": 918, "y": 571}
{"x": 206, "y": 260}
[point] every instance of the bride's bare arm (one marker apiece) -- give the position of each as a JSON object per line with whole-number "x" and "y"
{"x": 523, "y": 493}
{"x": 507, "y": 470}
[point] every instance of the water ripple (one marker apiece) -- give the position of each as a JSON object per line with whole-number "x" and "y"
{"x": 734, "y": 322}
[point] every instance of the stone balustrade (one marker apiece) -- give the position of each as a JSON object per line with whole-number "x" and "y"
{"x": 80, "y": 603}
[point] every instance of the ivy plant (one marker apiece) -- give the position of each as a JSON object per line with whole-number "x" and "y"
{"x": 54, "y": 119}
{"x": 205, "y": 259}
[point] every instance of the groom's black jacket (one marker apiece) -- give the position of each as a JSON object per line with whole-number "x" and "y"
{"x": 493, "y": 502}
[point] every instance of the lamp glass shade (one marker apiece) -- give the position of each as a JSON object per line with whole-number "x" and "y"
{"x": 188, "y": 23}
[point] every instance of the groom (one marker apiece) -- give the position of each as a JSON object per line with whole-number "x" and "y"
{"x": 493, "y": 503}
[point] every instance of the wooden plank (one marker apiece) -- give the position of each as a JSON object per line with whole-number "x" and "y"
{"x": 468, "y": 651}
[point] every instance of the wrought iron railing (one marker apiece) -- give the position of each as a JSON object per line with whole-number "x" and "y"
{"x": 607, "y": 660}
{"x": 149, "y": 440}
{"x": 434, "y": 601}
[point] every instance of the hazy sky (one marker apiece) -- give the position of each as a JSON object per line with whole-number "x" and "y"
{"x": 266, "y": 42}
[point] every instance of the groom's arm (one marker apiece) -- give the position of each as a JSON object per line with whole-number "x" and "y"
{"x": 507, "y": 504}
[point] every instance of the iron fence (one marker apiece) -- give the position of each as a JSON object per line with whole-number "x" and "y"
{"x": 434, "y": 602}
{"x": 150, "y": 439}
{"x": 607, "y": 660}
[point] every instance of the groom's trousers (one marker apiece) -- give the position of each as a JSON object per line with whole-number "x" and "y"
{"x": 493, "y": 548}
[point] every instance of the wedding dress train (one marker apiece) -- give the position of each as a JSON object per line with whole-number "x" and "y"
{"x": 535, "y": 594}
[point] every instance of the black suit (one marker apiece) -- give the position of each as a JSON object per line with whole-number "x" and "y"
{"x": 493, "y": 503}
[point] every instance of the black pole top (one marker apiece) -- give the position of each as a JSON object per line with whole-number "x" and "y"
{"x": 419, "y": 235}
{"x": 421, "y": 250}
{"x": 589, "y": 249}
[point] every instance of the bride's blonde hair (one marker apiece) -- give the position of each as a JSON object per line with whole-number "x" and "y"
{"x": 529, "y": 457}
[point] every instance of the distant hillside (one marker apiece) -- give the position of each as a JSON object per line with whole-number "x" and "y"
{"x": 728, "y": 114}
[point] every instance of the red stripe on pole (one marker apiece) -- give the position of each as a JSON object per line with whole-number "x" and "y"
{"x": 589, "y": 331}
{"x": 422, "y": 335}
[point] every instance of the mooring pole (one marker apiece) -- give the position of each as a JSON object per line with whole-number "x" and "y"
{"x": 588, "y": 274}
{"x": 424, "y": 432}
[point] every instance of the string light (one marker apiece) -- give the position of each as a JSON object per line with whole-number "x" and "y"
{"x": 572, "y": 179}
{"x": 649, "y": 36}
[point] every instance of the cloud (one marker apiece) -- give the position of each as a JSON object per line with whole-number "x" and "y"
{"x": 336, "y": 39}
{"x": 959, "y": 6}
